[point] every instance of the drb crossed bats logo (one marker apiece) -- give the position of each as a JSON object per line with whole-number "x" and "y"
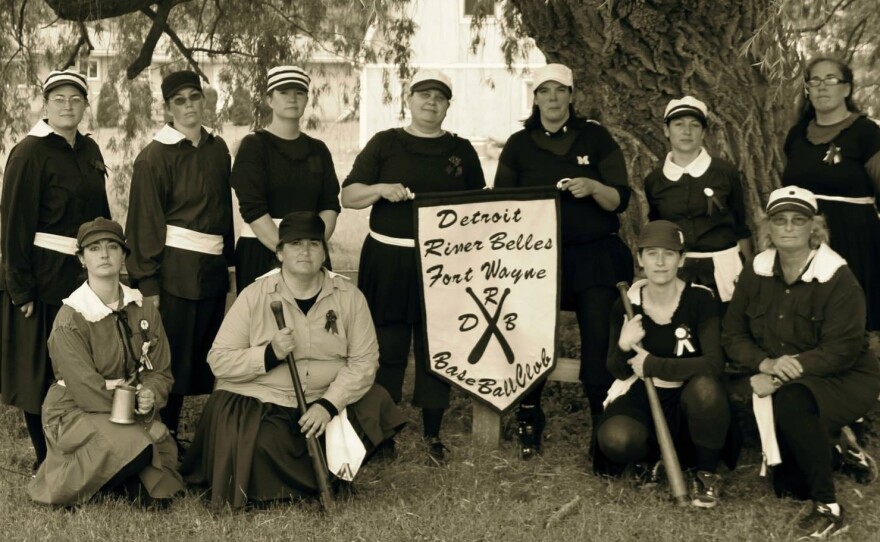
{"x": 469, "y": 321}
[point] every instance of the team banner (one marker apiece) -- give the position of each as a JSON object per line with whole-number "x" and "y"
{"x": 489, "y": 269}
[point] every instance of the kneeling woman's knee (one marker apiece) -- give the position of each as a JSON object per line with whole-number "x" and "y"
{"x": 704, "y": 393}
{"x": 623, "y": 439}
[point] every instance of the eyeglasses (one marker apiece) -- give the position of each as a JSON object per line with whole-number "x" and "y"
{"x": 180, "y": 101}
{"x": 798, "y": 221}
{"x": 61, "y": 101}
{"x": 828, "y": 81}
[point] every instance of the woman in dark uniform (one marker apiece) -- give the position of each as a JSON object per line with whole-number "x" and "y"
{"x": 278, "y": 170}
{"x": 53, "y": 182}
{"x": 834, "y": 151}
{"x": 674, "y": 338}
{"x": 395, "y": 164}
{"x": 797, "y": 322}
{"x": 557, "y": 147}
{"x": 704, "y": 196}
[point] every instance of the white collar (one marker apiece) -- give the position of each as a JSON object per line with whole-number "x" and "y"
{"x": 169, "y": 135}
{"x": 635, "y": 291}
{"x": 42, "y": 129}
{"x": 86, "y": 302}
{"x": 673, "y": 171}
{"x": 823, "y": 265}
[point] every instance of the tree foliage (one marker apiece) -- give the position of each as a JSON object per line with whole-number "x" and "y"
{"x": 742, "y": 57}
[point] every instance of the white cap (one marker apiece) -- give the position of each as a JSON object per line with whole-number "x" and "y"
{"x": 792, "y": 198}
{"x": 552, "y": 72}
{"x": 428, "y": 79}
{"x": 57, "y": 78}
{"x": 282, "y": 77}
{"x": 687, "y": 106}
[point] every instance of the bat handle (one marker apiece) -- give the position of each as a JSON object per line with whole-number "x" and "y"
{"x": 278, "y": 312}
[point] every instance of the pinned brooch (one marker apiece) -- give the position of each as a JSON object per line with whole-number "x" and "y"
{"x": 100, "y": 166}
{"x": 712, "y": 201}
{"x": 833, "y": 155}
{"x": 454, "y": 167}
{"x": 330, "y": 324}
{"x": 683, "y": 340}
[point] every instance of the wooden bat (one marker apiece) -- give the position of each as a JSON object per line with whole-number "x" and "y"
{"x": 664, "y": 438}
{"x": 316, "y": 452}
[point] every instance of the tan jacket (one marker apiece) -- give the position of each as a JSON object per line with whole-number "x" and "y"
{"x": 337, "y": 363}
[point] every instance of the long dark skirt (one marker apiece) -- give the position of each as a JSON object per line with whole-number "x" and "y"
{"x": 249, "y": 451}
{"x": 25, "y": 369}
{"x": 191, "y": 327}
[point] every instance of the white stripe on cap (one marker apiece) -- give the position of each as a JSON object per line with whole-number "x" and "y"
{"x": 57, "y": 78}
{"x": 286, "y": 75}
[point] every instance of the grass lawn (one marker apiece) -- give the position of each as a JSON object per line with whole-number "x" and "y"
{"x": 480, "y": 495}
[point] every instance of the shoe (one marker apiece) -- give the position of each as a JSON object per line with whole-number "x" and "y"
{"x": 530, "y": 426}
{"x": 387, "y": 451}
{"x": 854, "y": 460}
{"x": 822, "y": 523}
{"x": 706, "y": 489}
{"x": 647, "y": 475}
{"x": 436, "y": 451}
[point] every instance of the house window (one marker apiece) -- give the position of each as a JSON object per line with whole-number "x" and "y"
{"x": 89, "y": 69}
{"x": 471, "y": 8}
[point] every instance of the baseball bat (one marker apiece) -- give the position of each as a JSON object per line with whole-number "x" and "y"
{"x": 316, "y": 453}
{"x": 664, "y": 438}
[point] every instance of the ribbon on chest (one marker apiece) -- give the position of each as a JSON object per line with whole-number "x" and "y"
{"x": 683, "y": 341}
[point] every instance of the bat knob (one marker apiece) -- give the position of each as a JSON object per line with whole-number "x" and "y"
{"x": 278, "y": 312}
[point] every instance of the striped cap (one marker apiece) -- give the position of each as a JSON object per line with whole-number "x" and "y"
{"x": 792, "y": 198}
{"x": 282, "y": 77}
{"x": 57, "y": 78}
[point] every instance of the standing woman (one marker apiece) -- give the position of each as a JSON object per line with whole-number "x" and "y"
{"x": 704, "y": 196}
{"x": 394, "y": 165}
{"x": 54, "y": 181}
{"x": 279, "y": 170}
{"x": 179, "y": 230}
{"x": 106, "y": 336}
{"x": 556, "y": 147}
{"x": 834, "y": 151}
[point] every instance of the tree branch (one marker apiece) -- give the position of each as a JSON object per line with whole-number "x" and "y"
{"x": 145, "y": 57}
{"x": 83, "y": 40}
{"x": 162, "y": 22}
{"x": 841, "y": 4}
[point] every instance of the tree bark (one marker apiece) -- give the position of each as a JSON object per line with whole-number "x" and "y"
{"x": 630, "y": 57}
{"x": 94, "y": 10}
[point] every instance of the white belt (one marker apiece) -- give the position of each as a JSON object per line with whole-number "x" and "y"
{"x": 109, "y": 384}
{"x": 247, "y": 231}
{"x": 195, "y": 241}
{"x": 395, "y": 241}
{"x": 867, "y": 200}
{"x": 620, "y": 387}
{"x": 58, "y": 243}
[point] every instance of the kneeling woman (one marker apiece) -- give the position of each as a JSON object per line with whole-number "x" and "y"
{"x": 797, "y": 320}
{"x": 674, "y": 337}
{"x": 250, "y": 445}
{"x": 104, "y": 336}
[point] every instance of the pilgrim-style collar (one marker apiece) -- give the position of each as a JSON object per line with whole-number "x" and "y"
{"x": 169, "y": 135}
{"x": 43, "y": 129}
{"x": 697, "y": 168}
{"x": 635, "y": 292}
{"x": 824, "y": 263}
{"x": 86, "y": 302}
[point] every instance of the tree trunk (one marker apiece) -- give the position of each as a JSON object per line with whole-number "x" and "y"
{"x": 630, "y": 57}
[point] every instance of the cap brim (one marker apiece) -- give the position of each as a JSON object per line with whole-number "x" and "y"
{"x": 433, "y": 84}
{"x": 286, "y": 86}
{"x": 181, "y": 87}
{"x": 801, "y": 208}
{"x": 94, "y": 237}
{"x": 687, "y": 113}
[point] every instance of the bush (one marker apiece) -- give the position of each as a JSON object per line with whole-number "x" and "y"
{"x": 108, "y": 105}
{"x": 210, "y": 107}
{"x": 241, "y": 111}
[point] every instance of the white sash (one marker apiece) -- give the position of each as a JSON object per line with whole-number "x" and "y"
{"x": 109, "y": 384}
{"x": 867, "y": 200}
{"x": 195, "y": 241}
{"x": 247, "y": 231}
{"x": 727, "y": 267}
{"x": 58, "y": 243}
{"x": 395, "y": 241}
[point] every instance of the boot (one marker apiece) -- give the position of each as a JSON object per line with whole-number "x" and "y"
{"x": 530, "y": 425}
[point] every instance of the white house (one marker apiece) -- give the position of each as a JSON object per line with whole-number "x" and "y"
{"x": 489, "y": 102}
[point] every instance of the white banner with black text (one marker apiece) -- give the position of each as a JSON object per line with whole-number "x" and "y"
{"x": 489, "y": 269}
